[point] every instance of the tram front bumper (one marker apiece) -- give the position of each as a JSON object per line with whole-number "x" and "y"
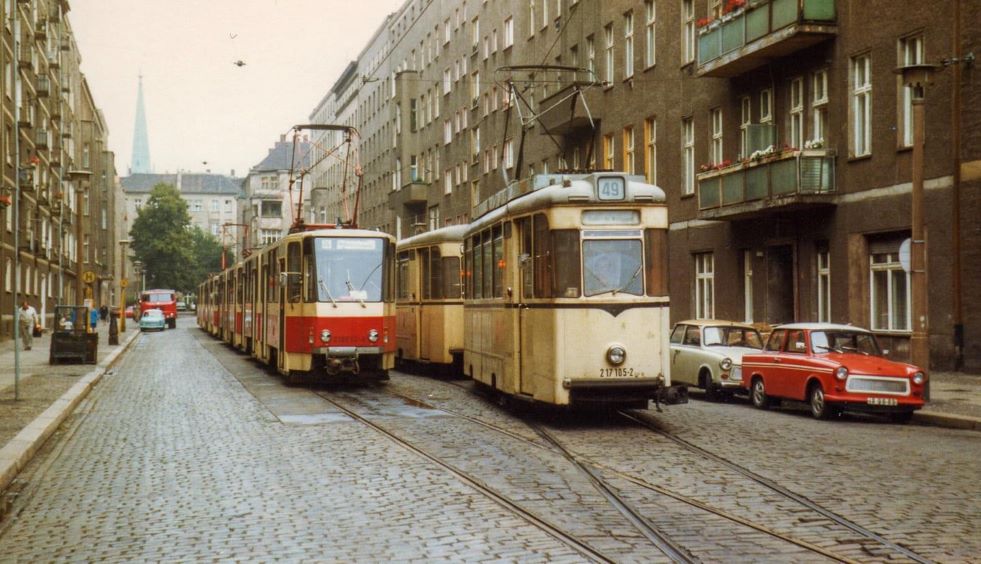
{"x": 588, "y": 390}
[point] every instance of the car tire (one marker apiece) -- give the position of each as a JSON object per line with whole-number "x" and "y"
{"x": 757, "y": 394}
{"x": 820, "y": 408}
{"x": 705, "y": 382}
{"x": 901, "y": 417}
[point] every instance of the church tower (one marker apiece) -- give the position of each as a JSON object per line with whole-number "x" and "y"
{"x": 141, "y": 147}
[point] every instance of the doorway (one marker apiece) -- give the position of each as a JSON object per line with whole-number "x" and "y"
{"x": 781, "y": 284}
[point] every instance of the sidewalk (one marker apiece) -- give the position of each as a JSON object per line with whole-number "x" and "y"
{"x": 47, "y": 394}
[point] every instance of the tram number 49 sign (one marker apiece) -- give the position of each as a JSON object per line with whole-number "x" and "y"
{"x": 611, "y": 188}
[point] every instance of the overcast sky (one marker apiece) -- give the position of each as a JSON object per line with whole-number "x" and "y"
{"x": 200, "y": 107}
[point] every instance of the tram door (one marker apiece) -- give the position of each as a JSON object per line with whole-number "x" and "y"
{"x": 525, "y": 263}
{"x": 280, "y": 356}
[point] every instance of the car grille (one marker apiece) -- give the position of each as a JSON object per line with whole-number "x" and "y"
{"x": 866, "y": 384}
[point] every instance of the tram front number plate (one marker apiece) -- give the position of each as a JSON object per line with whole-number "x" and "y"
{"x": 620, "y": 373}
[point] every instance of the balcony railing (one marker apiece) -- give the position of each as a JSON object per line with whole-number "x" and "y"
{"x": 762, "y": 30}
{"x": 787, "y": 181}
{"x": 42, "y": 138}
{"x": 414, "y": 195}
{"x": 43, "y": 86}
{"x": 27, "y": 180}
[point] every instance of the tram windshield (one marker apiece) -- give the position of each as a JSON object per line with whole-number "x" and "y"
{"x": 613, "y": 265}
{"x": 349, "y": 269}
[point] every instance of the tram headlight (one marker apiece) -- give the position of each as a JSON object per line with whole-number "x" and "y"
{"x": 725, "y": 363}
{"x": 325, "y": 336}
{"x": 616, "y": 355}
{"x": 373, "y": 335}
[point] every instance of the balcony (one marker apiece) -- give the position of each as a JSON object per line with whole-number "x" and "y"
{"x": 43, "y": 86}
{"x": 54, "y": 59}
{"x": 66, "y": 129}
{"x": 566, "y": 111}
{"x": 41, "y": 30}
{"x": 414, "y": 196}
{"x": 42, "y": 139}
{"x": 27, "y": 183}
{"x": 783, "y": 182}
{"x": 761, "y": 31}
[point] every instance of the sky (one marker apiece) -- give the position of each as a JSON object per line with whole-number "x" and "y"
{"x": 203, "y": 112}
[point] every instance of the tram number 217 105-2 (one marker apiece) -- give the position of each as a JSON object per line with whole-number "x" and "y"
{"x": 620, "y": 373}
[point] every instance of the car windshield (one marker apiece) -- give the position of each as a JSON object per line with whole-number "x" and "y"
{"x": 732, "y": 337}
{"x": 844, "y": 341}
{"x": 152, "y": 314}
{"x": 158, "y": 298}
{"x": 612, "y": 265}
{"x": 349, "y": 269}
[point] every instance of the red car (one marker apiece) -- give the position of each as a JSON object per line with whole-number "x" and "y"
{"x": 833, "y": 368}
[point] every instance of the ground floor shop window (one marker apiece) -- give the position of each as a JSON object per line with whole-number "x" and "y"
{"x": 890, "y": 293}
{"x": 704, "y": 286}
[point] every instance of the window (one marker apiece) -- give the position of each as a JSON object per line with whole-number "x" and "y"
{"x": 447, "y": 81}
{"x": 196, "y": 206}
{"x": 447, "y": 32}
{"x": 628, "y": 44}
{"x": 609, "y": 61}
{"x": 687, "y": 156}
{"x": 861, "y": 106}
{"x": 447, "y": 131}
{"x": 890, "y": 293}
{"x": 650, "y": 150}
{"x": 591, "y": 55}
{"x": 649, "y": 11}
{"x": 766, "y": 105}
{"x": 824, "y": 285}
{"x": 508, "y": 153}
{"x": 508, "y": 32}
{"x": 704, "y": 286}
{"x": 715, "y": 150}
{"x": 609, "y": 148}
{"x": 612, "y": 265}
{"x": 272, "y": 208}
{"x": 628, "y": 150}
{"x": 532, "y": 21}
{"x": 745, "y": 119}
{"x": 796, "y": 122}
{"x": 448, "y": 182}
{"x": 819, "y": 101}
{"x": 911, "y": 53}
{"x": 688, "y": 31}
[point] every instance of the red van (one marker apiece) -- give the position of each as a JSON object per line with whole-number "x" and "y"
{"x": 164, "y": 300}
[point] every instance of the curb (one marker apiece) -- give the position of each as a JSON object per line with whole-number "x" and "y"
{"x": 16, "y": 454}
{"x": 947, "y": 420}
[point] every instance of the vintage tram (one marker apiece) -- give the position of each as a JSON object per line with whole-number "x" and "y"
{"x": 429, "y": 300}
{"x": 317, "y": 303}
{"x": 566, "y": 292}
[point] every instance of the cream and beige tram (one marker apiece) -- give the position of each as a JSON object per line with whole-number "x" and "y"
{"x": 566, "y": 292}
{"x": 429, "y": 302}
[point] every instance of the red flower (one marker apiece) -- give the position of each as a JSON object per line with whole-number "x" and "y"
{"x": 702, "y": 22}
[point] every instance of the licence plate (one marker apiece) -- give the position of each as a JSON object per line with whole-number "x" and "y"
{"x": 882, "y": 401}
{"x": 620, "y": 373}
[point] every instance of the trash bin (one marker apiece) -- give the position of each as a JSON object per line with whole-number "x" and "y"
{"x": 113, "y": 326}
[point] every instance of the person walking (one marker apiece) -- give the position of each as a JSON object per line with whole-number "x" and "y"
{"x": 28, "y": 320}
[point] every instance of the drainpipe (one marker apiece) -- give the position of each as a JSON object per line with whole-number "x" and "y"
{"x": 17, "y": 277}
{"x": 955, "y": 129}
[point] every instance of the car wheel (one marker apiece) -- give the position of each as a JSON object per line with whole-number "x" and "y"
{"x": 758, "y": 395}
{"x": 705, "y": 382}
{"x": 819, "y": 406}
{"x": 901, "y": 417}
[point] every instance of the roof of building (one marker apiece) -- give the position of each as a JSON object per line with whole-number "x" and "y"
{"x": 188, "y": 183}
{"x": 280, "y": 157}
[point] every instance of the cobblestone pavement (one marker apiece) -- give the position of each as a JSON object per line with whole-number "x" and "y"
{"x": 220, "y": 460}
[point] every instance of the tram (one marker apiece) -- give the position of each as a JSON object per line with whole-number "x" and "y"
{"x": 429, "y": 300}
{"x": 566, "y": 292}
{"x": 315, "y": 304}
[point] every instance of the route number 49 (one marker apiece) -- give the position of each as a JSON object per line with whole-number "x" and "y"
{"x": 611, "y": 188}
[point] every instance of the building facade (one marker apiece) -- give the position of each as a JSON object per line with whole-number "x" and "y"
{"x": 268, "y": 207}
{"x": 778, "y": 128}
{"x": 59, "y": 186}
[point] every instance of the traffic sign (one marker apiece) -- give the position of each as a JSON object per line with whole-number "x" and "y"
{"x": 88, "y": 277}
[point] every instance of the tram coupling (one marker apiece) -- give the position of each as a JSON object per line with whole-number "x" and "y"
{"x": 672, "y": 395}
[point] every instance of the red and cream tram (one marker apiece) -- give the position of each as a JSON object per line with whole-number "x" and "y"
{"x": 567, "y": 292}
{"x": 316, "y": 304}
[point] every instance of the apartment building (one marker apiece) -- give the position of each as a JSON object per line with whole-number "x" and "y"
{"x": 59, "y": 188}
{"x": 268, "y": 206}
{"x": 778, "y": 128}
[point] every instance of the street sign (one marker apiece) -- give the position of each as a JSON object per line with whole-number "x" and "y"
{"x": 124, "y": 282}
{"x": 904, "y": 254}
{"x": 88, "y": 277}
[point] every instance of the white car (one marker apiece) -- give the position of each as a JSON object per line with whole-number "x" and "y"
{"x": 708, "y": 354}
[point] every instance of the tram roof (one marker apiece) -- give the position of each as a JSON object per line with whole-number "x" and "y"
{"x": 547, "y": 190}
{"x": 446, "y": 234}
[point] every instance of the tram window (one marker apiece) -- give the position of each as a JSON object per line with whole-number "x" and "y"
{"x": 272, "y": 282}
{"x": 565, "y": 263}
{"x": 310, "y": 274}
{"x": 451, "y": 278}
{"x": 403, "y": 268}
{"x": 424, "y": 278}
{"x": 540, "y": 258}
{"x": 435, "y": 274}
{"x": 389, "y": 282}
{"x": 613, "y": 266}
{"x": 656, "y": 241}
{"x": 478, "y": 271}
{"x": 525, "y": 260}
{"x": 467, "y": 268}
{"x": 294, "y": 286}
{"x": 498, "y": 263}
{"x": 487, "y": 254}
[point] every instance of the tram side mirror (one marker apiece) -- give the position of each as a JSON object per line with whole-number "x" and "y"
{"x": 283, "y": 278}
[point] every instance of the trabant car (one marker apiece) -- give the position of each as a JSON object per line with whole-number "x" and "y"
{"x": 708, "y": 353}
{"x": 153, "y": 319}
{"x": 832, "y": 367}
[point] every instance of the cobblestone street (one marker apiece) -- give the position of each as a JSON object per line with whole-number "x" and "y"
{"x": 209, "y": 456}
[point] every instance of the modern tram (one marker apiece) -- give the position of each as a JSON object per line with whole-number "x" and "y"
{"x": 566, "y": 292}
{"x": 316, "y": 304}
{"x": 429, "y": 300}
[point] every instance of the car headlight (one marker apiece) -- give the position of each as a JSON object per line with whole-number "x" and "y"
{"x": 373, "y": 335}
{"x": 325, "y": 336}
{"x": 919, "y": 378}
{"x": 841, "y": 373}
{"x": 725, "y": 363}
{"x": 616, "y": 355}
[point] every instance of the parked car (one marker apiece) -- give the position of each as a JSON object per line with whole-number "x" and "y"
{"x": 153, "y": 319}
{"x": 708, "y": 353}
{"x": 833, "y": 368}
{"x": 129, "y": 312}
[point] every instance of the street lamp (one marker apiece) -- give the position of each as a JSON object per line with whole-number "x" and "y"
{"x": 917, "y": 78}
{"x": 123, "y": 282}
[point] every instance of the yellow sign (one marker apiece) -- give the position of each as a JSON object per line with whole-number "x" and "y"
{"x": 88, "y": 277}
{"x": 124, "y": 282}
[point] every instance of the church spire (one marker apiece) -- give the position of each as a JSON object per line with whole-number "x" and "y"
{"x": 141, "y": 147}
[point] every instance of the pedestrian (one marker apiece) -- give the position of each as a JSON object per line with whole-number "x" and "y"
{"x": 28, "y": 321}
{"x": 94, "y": 318}
{"x": 104, "y": 312}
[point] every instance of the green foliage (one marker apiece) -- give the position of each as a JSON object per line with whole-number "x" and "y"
{"x": 207, "y": 255}
{"x": 163, "y": 241}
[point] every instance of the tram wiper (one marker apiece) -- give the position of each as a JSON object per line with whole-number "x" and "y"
{"x": 323, "y": 287}
{"x": 624, "y": 287}
{"x": 351, "y": 290}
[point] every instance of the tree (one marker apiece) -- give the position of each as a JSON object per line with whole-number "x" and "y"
{"x": 207, "y": 254}
{"x": 163, "y": 240}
